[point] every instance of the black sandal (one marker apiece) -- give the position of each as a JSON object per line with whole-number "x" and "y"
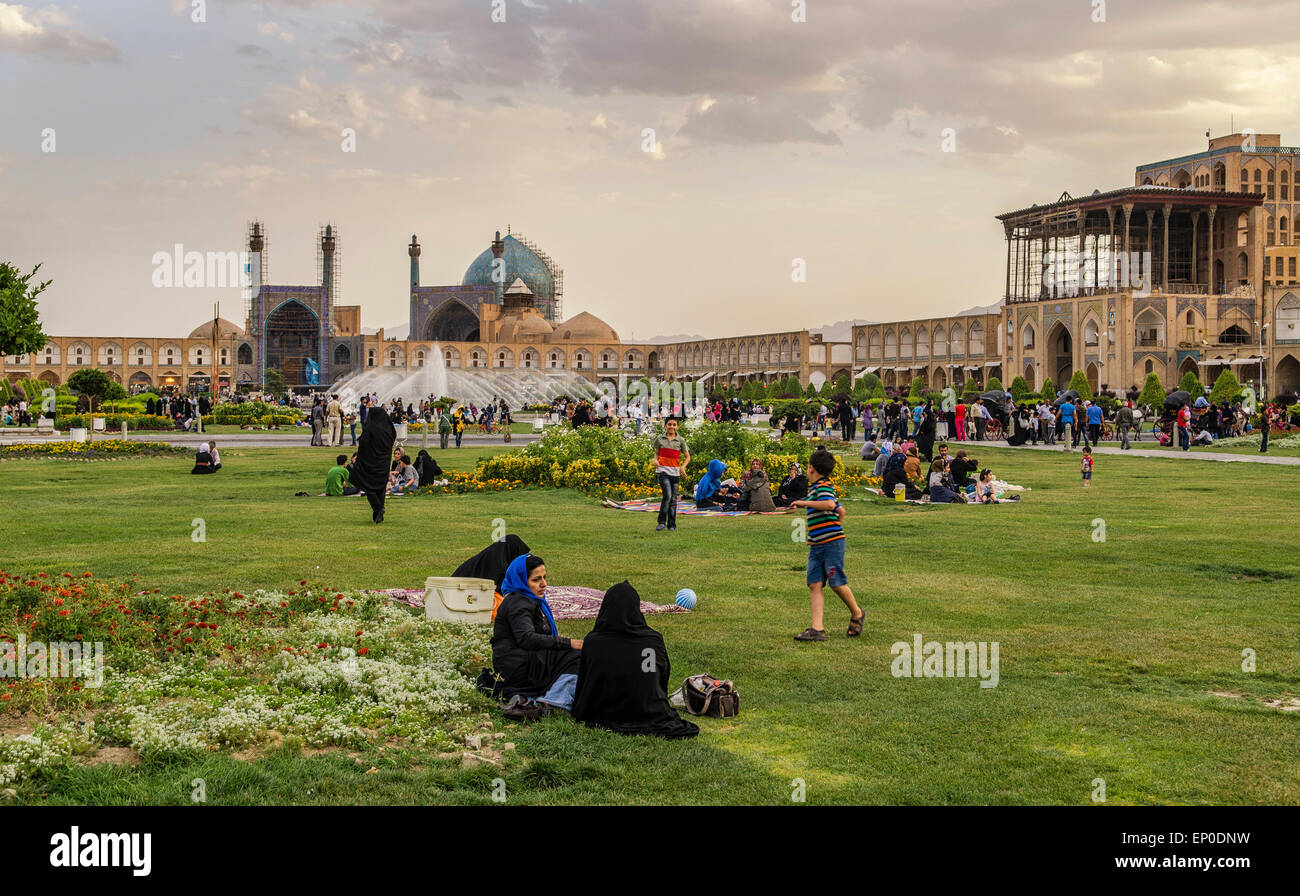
{"x": 811, "y": 634}
{"x": 855, "y": 625}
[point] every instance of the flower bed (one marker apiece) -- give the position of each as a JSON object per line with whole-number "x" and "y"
{"x": 227, "y": 670}
{"x": 101, "y": 449}
{"x": 113, "y": 422}
{"x": 253, "y": 413}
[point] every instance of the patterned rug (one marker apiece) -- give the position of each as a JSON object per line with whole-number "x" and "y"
{"x": 875, "y": 491}
{"x": 684, "y": 508}
{"x": 567, "y": 601}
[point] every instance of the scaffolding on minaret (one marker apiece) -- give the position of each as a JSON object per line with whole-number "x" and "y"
{"x": 329, "y": 276}
{"x": 255, "y": 244}
{"x": 557, "y": 273}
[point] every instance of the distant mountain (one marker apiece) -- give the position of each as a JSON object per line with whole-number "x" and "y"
{"x": 397, "y": 332}
{"x": 661, "y": 340}
{"x": 995, "y": 308}
{"x": 841, "y": 330}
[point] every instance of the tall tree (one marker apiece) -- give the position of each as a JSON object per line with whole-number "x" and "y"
{"x": 20, "y": 322}
{"x": 1153, "y": 394}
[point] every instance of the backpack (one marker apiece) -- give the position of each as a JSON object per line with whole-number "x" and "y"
{"x": 704, "y": 695}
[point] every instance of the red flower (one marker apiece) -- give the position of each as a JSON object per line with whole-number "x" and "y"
{"x": 363, "y": 651}
{"x": 302, "y": 582}
{"x": 322, "y": 645}
{"x": 64, "y": 612}
{"x": 4, "y": 696}
{"x": 359, "y": 634}
{"x": 188, "y": 640}
{"x": 58, "y": 601}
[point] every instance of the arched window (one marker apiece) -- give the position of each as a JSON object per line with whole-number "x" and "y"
{"x": 905, "y": 345}
{"x": 1150, "y": 366}
{"x": 860, "y": 348}
{"x": 528, "y": 360}
{"x": 581, "y": 360}
{"x": 607, "y": 359}
{"x": 342, "y": 355}
{"x": 1149, "y": 328}
{"x": 891, "y": 345}
{"x": 1282, "y": 229}
{"x": 419, "y": 358}
{"x": 1272, "y": 226}
{"x": 505, "y": 358}
{"x": 976, "y": 339}
{"x": 1091, "y": 334}
{"x": 1243, "y": 266}
{"x": 922, "y": 343}
{"x": 245, "y": 353}
{"x": 392, "y": 357}
{"x": 475, "y": 358}
{"x": 1027, "y": 340}
{"x": 450, "y": 357}
{"x": 556, "y": 360}
{"x": 873, "y": 346}
{"x": 939, "y": 342}
{"x": 1288, "y": 317}
{"x": 370, "y": 358}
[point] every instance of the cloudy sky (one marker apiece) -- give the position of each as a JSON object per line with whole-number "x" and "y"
{"x": 774, "y": 140}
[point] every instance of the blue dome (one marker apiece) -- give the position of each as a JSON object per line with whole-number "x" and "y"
{"x": 521, "y": 262}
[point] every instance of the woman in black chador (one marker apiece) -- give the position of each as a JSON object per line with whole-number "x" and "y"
{"x": 623, "y": 675}
{"x": 374, "y": 453}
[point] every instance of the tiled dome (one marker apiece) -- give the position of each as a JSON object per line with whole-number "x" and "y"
{"x": 521, "y": 262}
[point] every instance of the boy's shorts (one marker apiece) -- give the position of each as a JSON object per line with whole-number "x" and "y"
{"x": 826, "y": 563}
{"x": 1087, "y": 474}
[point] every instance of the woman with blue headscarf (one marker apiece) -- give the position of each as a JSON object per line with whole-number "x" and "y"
{"x": 533, "y": 662}
{"x": 710, "y": 492}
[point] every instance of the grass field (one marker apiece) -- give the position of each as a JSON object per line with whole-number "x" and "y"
{"x": 1120, "y": 658}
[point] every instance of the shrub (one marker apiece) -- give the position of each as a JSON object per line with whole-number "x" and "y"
{"x": 1191, "y": 384}
{"x": 1226, "y": 388}
{"x": 1049, "y": 389}
{"x": 1019, "y": 388}
{"x": 994, "y": 384}
{"x": 1079, "y": 383}
{"x": 1153, "y": 394}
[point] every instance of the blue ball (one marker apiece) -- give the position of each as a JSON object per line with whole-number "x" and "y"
{"x": 686, "y": 598}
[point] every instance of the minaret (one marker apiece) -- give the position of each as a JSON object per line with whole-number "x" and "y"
{"x": 413, "y": 250}
{"x": 327, "y": 246}
{"x": 498, "y": 267}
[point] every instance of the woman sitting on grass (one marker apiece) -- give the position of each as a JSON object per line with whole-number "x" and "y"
{"x": 538, "y": 669}
{"x": 623, "y": 674}
{"x": 940, "y": 486}
{"x": 756, "y": 491}
{"x": 203, "y": 460}
{"x": 710, "y": 492}
{"x": 794, "y": 487}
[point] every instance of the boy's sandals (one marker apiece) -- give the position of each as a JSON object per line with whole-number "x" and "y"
{"x": 855, "y": 625}
{"x": 811, "y": 634}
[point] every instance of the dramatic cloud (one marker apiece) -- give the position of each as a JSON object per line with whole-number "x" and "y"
{"x": 746, "y": 122}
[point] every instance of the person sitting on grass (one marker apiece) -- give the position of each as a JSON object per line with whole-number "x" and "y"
{"x": 537, "y": 668}
{"x": 940, "y": 486}
{"x": 623, "y": 673}
{"x": 203, "y": 460}
{"x": 984, "y": 492}
{"x": 336, "y": 480}
{"x": 756, "y": 490}
{"x": 896, "y": 475}
{"x": 794, "y": 487}
{"x": 710, "y": 492}
{"x": 404, "y": 478}
{"x": 216, "y": 457}
{"x": 426, "y": 468}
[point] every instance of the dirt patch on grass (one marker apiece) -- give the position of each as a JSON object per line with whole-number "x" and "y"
{"x": 1286, "y": 704}
{"x": 113, "y": 756}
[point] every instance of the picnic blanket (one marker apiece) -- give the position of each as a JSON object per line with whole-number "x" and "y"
{"x": 876, "y": 491}
{"x": 684, "y": 508}
{"x": 567, "y": 601}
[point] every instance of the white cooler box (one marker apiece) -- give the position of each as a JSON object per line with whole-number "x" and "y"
{"x": 449, "y": 599}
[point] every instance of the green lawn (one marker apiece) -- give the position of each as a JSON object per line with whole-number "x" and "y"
{"x": 1110, "y": 651}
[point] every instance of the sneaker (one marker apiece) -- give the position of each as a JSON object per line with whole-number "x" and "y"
{"x": 811, "y": 634}
{"x": 672, "y": 528}
{"x": 659, "y": 528}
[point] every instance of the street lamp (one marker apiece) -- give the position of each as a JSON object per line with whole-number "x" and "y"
{"x": 1263, "y": 396}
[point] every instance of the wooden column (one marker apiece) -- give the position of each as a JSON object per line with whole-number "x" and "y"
{"x": 1209, "y": 263}
{"x": 1128, "y": 217}
{"x": 1164, "y": 267}
{"x": 1147, "y": 279}
{"x": 1196, "y": 223}
{"x": 1110, "y": 248}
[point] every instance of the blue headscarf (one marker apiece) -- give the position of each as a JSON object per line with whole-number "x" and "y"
{"x": 708, "y": 486}
{"x": 516, "y": 582}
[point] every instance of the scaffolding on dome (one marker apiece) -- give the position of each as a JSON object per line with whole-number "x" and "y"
{"x": 557, "y": 273}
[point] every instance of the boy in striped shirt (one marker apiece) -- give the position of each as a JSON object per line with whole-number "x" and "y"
{"x": 825, "y": 548}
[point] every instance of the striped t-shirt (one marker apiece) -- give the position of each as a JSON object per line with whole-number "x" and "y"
{"x": 823, "y": 525}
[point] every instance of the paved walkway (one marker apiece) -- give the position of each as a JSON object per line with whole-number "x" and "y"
{"x": 262, "y": 439}
{"x": 1254, "y": 458}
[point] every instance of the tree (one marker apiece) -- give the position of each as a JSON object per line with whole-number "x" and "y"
{"x": 971, "y": 391}
{"x": 1079, "y": 383}
{"x": 97, "y": 385}
{"x": 1049, "y": 390}
{"x": 274, "y": 381}
{"x": 1019, "y": 388}
{"x": 1191, "y": 384}
{"x": 1153, "y": 394}
{"x": 810, "y": 392}
{"x": 915, "y": 388}
{"x": 995, "y": 384}
{"x": 20, "y": 322}
{"x": 1226, "y": 388}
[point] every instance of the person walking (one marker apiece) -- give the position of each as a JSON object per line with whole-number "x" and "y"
{"x": 1266, "y": 418}
{"x": 1124, "y": 421}
{"x": 1067, "y": 425}
{"x": 317, "y": 423}
{"x": 960, "y": 420}
{"x": 444, "y": 428}
{"x": 1183, "y": 421}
